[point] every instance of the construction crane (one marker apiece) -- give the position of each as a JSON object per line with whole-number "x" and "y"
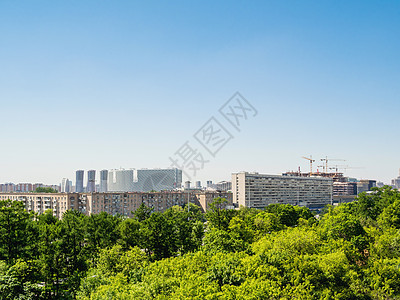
{"x": 330, "y": 159}
{"x": 345, "y": 168}
{"x": 323, "y": 168}
{"x": 311, "y": 162}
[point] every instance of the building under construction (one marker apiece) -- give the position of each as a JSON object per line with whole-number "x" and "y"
{"x": 335, "y": 176}
{"x": 342, "y": 186}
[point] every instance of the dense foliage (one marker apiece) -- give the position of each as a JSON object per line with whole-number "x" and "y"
{"x": 352, "y": 251}
{"x": 45, "y": 190}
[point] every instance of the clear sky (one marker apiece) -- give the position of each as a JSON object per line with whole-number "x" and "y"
{"x": 110, "y": 84}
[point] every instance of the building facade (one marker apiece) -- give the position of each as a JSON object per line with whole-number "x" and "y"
{"x": 157, "y": 179}
{"x": 221, "y": 186}
{"x": 118, "y": 203}
{"x": 23, "y": 187}
{"x": 396, "y": 182}
{"x": 256, "y": 190}
{"x": 120, "y": 180}
{"x": 91, "y": 181}
{"x": 103, "y": 187}
{"x": 79, "y": 181}
{"x": 58, "y": 203}
{"x": 66, "y": 186}
{"x": 365, "y": 185}
{"x": 344, "y": 188}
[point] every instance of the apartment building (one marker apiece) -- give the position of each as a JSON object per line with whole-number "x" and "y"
{"x": 220, "y": 186}
{"x": 205, "y": 198}
{"x": 365, "y": 185}
{"x": 256, "y": 190}
{"x": 113, "y": 203}
{"x": 40, "y": 202}
{"x": 126, "y": 203}
{"x": 344, "y": 188}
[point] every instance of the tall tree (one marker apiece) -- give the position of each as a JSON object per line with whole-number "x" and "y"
{"x": 218, "y": 216}
{"x": 17, "y": 235}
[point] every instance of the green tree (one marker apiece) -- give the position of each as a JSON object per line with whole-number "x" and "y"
{"x": 266, "y": 222}
{"x": 52, "y": 260}
{"x": 73, "y": 245}
{"x": 342, "y": 225}
{"x": 17, "y": 234}
{"x": 225, "y": 270}
{"x": 158, "y": 236}
{"x": 101, "y": 231}
{"x": 390, "y": 217}
{"x": 289, "y": 215}
{"x": 45, "y": 190}
{"x": 217, "y": 240}
{"x": 129, "y": 233}
{"x": 15, "y": 282}
{"x": 217, "y": 215}
{"x": 142, "y": 212}
{"x": 186, "y": 227}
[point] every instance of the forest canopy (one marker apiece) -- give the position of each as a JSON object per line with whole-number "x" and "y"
{"x": 350, "y": 251}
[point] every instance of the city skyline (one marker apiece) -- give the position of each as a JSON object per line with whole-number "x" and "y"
{"x": 95, "y": 86}
{"x": 102, "y": 181}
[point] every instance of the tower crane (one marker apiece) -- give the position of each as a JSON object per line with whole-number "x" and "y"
{"x": 311, "y": 162}
{"x": 330, "y": 159}
{"x": 338, "y": 167}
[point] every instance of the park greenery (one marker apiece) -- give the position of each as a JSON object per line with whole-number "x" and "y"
{"x": 350, "y": 251}
{"x": 45, "y": 190}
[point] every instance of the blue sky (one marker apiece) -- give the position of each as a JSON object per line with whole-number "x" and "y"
{"x": 109, "y": 84}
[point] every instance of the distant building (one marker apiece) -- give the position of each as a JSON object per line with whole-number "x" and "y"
{"x": 40, "y": 202}
{"x": 23, "y": 187}
{"x": 120, "y": 180}
{"x": 66, "y": 186}
{"x": 365, "y": 185}
{"x": 198, "y": 184}
{"x": 79, "y": 181}
{"x": 7, "y": 187}
{"x": 221, "y": 186}
{"x": 142, "y": 180}
{"x": 126, "y": 203}
{"x": 158, "y": 179}
{"x": 380, "y": 184}
{"x": 344, "y": 188}
{"x": 37, "y": 185}
{"x": 115, "y": 203}
{"x": 103, "y": 181}
{"x": 91, "y": 183}
{"x": 187, "y": 185}
{"x": 396, "y": 182}
{"x": 256, "y": 190}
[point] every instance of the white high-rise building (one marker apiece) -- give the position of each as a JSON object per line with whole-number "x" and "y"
{"x": 396, "y": 182}
{"x": 120, "y": 180}
{"x": 255, "y": 190}
{"x": 187, "y": 185}
{"x": 158, "y": 179}
{"x": 66, "y": 186}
